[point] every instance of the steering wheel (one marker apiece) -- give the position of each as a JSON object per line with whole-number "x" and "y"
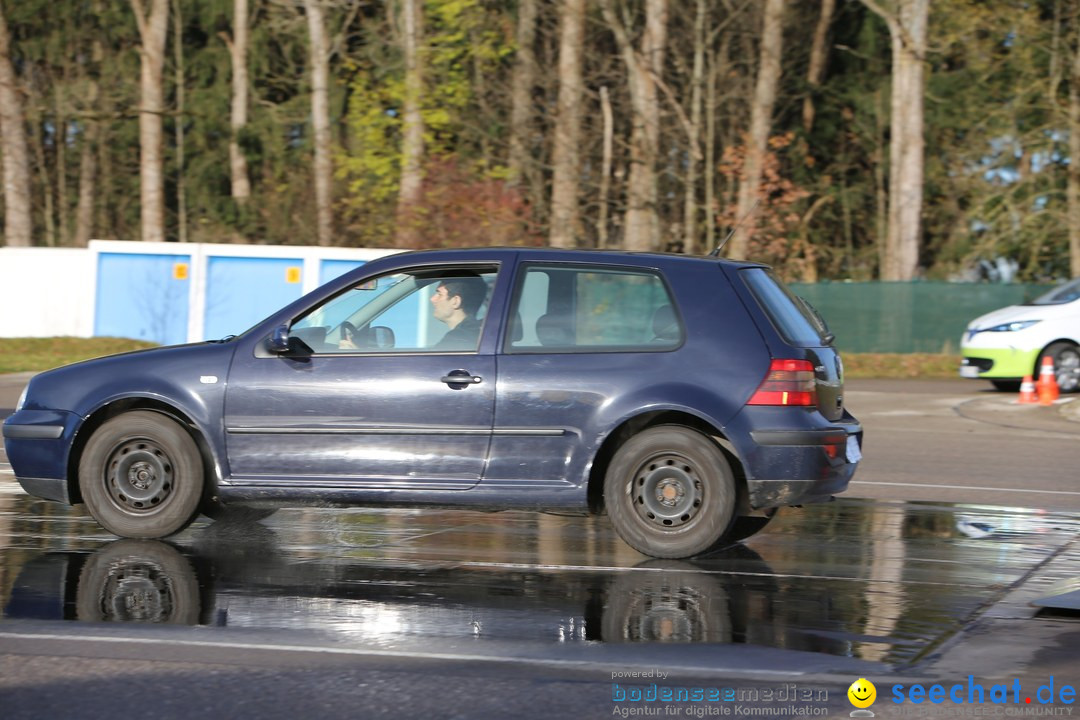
{"x": 349, "y": 334}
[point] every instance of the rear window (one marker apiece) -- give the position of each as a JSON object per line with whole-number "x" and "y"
{"x": 796, "y": 321}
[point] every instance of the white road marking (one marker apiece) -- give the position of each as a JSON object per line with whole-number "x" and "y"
{"x": 1029, "y": 491}
{"x": 369, "y": 652}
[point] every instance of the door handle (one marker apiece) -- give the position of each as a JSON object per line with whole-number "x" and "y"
{"x": 460, "y": 377}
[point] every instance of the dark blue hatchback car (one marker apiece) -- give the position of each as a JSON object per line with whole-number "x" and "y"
{"x": 687, "y": 398}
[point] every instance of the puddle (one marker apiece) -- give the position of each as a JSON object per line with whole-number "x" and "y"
{"x": 878, "y": 581}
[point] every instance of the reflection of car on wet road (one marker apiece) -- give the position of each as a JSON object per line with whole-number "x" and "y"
{"x": 229, "y": 582}
{"x": 686, "y": 397}
{"x": 1007, "y": 344}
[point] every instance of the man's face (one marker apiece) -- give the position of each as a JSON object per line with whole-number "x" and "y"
{"x": 442, "y": 305}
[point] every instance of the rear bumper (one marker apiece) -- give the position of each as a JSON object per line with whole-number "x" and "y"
{"x": 802, "y": 466}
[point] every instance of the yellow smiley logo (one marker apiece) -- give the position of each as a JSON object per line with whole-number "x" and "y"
{"x": 862, "y": 693}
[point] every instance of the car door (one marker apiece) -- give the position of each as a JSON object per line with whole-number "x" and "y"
{"x": 582, "y": 337}
{"x": 366, "y": 397}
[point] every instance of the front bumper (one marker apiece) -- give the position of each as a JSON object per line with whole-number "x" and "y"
{"x": 37, "y": 444}
{"x": 997, "y": 363}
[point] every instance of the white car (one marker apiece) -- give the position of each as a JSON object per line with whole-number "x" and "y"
{"x": 1007, "y": 344}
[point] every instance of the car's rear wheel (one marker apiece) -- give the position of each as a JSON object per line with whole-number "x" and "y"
{"x": 670, "y": 492}
{"x": 141, "y": 475}
{"x": 222, "y": 512}
{"x": 1066, "y": 358}
{"x": 746, "y": 525}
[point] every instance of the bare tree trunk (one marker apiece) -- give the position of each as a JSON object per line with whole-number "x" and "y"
{"x": 63, "y": 232}
{"x": 320, "y": 120}
{"x": 178, "y": 61}
{"x": 18, "y": 226}
{"x": 644, "y": 68}
{"x": 819, "y": 52}
{"x": 49, "y": 210}
{"x": 565, "y": 182}
{"x": 84, "y": 209}
{"x": 410, "y": 193}
{"x": 881, "y": 182}
{"x": 105, "y": 210}
{"x": 1055, "y": 71}
{"x": 153, "y": 31}
{"x": 697, "y": 80}
{"x": 238, "y": 111}
{"x": 1073, "y": 187}
{"x": 605, "y": 167}
{"x": 907, "y": 28}
{"x": 521, "y": 102}
{"x": 760, "y": 126}
{"x": 719, "y": 58}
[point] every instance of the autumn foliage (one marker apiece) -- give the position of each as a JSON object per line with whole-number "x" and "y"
{"x": 459, "y": 208}
{"x": 775, "y": 226}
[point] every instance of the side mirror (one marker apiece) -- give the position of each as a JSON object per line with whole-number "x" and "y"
{"x": 278, "y": 342}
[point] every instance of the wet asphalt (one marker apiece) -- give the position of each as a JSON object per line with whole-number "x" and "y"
{"x": 895, "y": 590}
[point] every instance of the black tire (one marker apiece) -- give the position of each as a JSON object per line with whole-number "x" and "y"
{"x": 670, "y": 492}
{"x": 141, "y": 475}
{"x": 1066, "y": 365}
{"x": 220, "y": 512}
{"x": 1006, "y": 385}
{"x": 746, "y": 526}
{"x": 143, "y": 581}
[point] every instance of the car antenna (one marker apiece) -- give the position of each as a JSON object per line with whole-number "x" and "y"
{"x": 716, "y": 252}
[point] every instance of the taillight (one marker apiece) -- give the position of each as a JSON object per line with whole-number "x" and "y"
{"x": 789, "y": 382}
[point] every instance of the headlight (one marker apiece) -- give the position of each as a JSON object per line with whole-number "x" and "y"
{"x": 1012, "y": 327}
{"x": 22, "y": 398}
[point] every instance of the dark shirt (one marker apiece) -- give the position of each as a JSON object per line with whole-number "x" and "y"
{"x": 463, "y": 337}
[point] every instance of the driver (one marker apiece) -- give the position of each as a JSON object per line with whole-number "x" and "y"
{"x": 456, "y": 302}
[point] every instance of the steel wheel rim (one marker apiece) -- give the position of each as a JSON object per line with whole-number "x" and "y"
{"x": 666, "y": 491}
{"x": 139, "y": 476}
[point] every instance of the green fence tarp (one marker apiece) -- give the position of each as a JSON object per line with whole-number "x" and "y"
{"x": 898, "y": 317}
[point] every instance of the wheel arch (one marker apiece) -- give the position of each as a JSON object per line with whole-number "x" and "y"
{"x": 106, "y": 412}
{"x": 644, "y": 421}
{"x": 1055, "y": 341}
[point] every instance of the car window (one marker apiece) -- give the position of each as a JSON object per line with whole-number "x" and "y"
{"x": 796, "y": 321}
{"x": 1060, "y": 295}
{"x": 558, "y": 308}
{"x": 423, "y": 310}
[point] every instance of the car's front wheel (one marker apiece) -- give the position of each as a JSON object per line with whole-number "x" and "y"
{"x": 141, "y": 475}
{"x": 670, "y": 492}
{"x": 1066, "y": 358}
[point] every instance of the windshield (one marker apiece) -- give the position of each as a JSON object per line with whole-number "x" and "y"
{"x": 1060, "y": 295}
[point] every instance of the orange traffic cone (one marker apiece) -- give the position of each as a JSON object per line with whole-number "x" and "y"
{"x": 1047, "y": 386}
{"x": 1027, "y": 392}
